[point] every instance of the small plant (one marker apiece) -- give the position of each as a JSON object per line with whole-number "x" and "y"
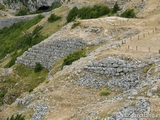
{"x": 73, "y": 57}
{"x": 53, "y": 18}
{"x": 38, "y": 67}
{"x": 104, "y": 92}
{"x": 16, "y": 117}
{"x": 2, "y": 93}
{"x": 129, "y": 13}
{"x": 75, "y": 24}
{"x": 2, "y": 7}
{"x": 30, "y": 90}
{"x": 22, "y": 11}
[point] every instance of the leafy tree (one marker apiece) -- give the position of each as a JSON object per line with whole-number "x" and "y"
{"x": 116, "y": 8}
{"x": 72, "y": 14}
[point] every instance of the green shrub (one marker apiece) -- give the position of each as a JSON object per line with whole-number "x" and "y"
{"x": 38, "y": 67}
{"x": 104, "y": 92}
{"x": 28, "y": 40}
{"x": 2, "y": 7}
{"x": 88, "y": 12}
{"x": 2, "y": 93}
{"x": 53, "y": 18}
{"x": 116, "y": 8}
{"x": 22, "y": 11}
{"x": 16, "y": 117}
{"x": 30, "y": 90}
{"x": 129, "y": 13}
{"x": 72, "y": 14}
{"x": 75, "y": 24}
{"x": 73, "y": 57}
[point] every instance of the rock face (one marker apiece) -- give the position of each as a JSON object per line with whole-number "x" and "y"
{"x": 48, "y": 52}
{"x": 32, "y": 5}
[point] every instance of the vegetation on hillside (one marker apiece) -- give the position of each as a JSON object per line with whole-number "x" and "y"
{"x": 73, "y": 57}
{"x": 88, "y": 12}
{"x": 128, "y": 13}
{"x": 15, "y": 41}
{"x": 53, "y": 18}
{"x": 16, "y": 117}
{"x": 23, "y": 79}
{"x": 96, "y": 11}
{"x": 22, "y": 11}
{"x": 2, "y": 7}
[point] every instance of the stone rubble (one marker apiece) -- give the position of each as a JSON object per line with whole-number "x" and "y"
{"x": 39, "y": 112}
{"x": 131, "y": 112}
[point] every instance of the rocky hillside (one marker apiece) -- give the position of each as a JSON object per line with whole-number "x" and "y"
{"x": 104, "y": 68}
{"x": 32, "y": 5}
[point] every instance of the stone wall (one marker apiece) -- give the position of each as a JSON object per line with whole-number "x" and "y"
{"x": 48, "y": 52}
{"x": 7, "y": 22}
{"x": 114, "y": 72}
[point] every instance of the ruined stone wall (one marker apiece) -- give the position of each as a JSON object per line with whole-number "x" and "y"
{"x": 48, "y": 52}
{"x": 7, "y": 22}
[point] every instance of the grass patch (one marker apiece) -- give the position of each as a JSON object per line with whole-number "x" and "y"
{"x": 104, "y": 92}
{"x": 75, "y": 24}
{"x": 73, "y": 57}
{"x": 51, "y": 28}
{"x": 23, "y": 79}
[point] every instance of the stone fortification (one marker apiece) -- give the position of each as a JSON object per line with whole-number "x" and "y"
{"x": 7, "y": 22}
{"x": 47, "y": 52}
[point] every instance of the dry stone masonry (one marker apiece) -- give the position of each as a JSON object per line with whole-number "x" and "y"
{"x": 129, "y": 112}
{"x": 7, "y": 22}
{"x": 48, "y": 52}
{"x": 113, "y": 72}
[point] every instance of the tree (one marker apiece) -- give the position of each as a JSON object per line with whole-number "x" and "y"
{"x": 72, "y": 14}
{"x": 115, "y": 8}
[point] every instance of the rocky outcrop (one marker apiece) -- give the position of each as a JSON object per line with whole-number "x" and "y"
{"x": 48, "y": 52}
{"x": 32, "y": 5}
